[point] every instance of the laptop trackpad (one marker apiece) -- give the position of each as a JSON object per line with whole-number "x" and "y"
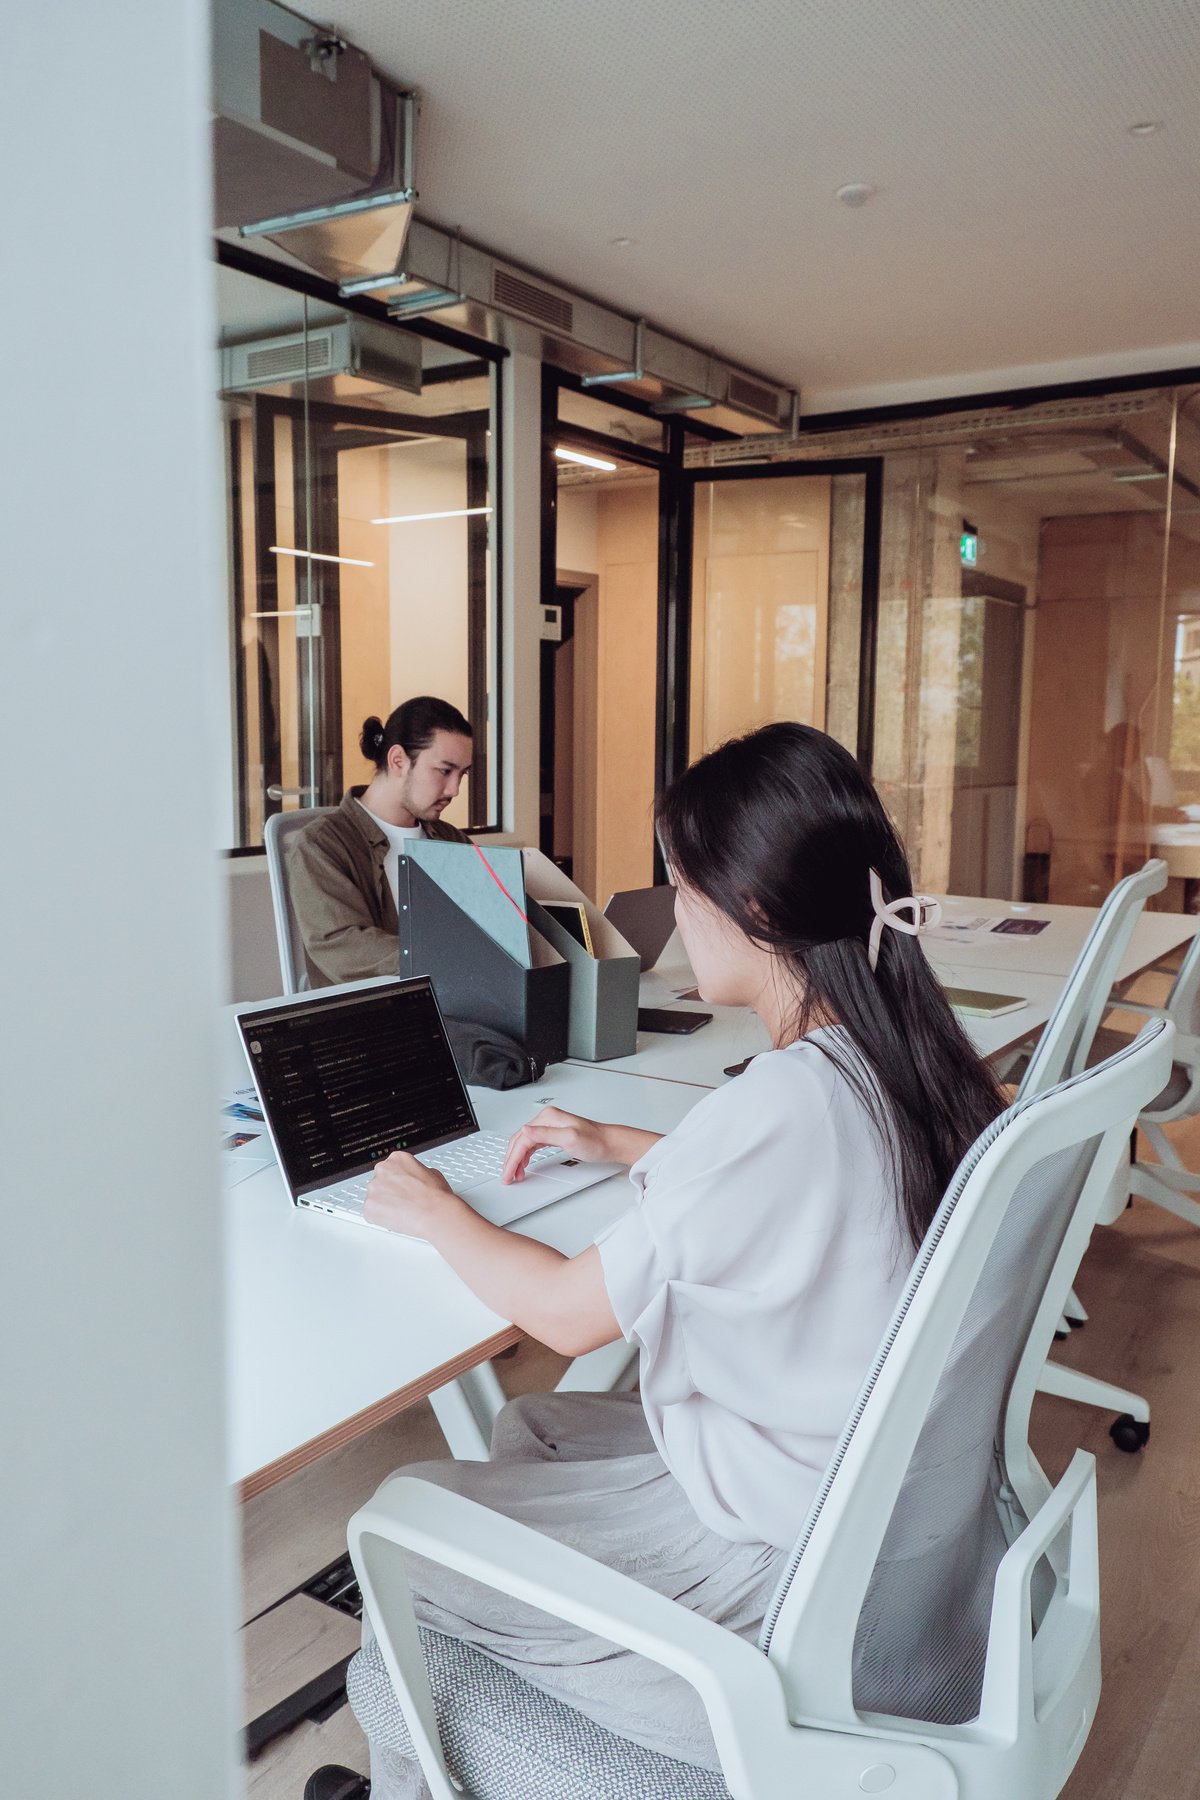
{"x": 502, "y": 1205}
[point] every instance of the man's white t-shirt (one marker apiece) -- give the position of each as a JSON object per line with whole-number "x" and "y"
{"x": 397, "y": 836}
{"x": 756, "y": 1272}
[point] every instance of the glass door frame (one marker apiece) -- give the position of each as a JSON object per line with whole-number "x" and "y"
{"x": 676, "y": 518}
{"x": 315, "y": 448}
{"x": 675, "y": 627}
{"x": 666, "y": 463}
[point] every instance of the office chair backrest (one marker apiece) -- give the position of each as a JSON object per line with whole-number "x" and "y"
{"x": 293, "y": 966}
{"x": 1062, "y": 1050}
{"x": 886, "y": 1601}
{"x": 1183, "y": 1002}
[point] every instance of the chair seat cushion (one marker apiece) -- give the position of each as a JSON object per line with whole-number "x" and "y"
{"x": 506, "y": 1740}
{"x": 1107, "y": 1042}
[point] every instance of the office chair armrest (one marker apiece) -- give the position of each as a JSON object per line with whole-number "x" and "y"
{"x": 1022, "y": 1673}
{"x": 741, "y": 1691}
{"x": 756, "y": 1743}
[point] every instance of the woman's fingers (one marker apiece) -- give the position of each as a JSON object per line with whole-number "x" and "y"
{"x": 531, "y": 1137}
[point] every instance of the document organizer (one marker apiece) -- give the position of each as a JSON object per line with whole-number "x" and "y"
{"x": 462, "y": 923}
{"x": 604, "y": 987}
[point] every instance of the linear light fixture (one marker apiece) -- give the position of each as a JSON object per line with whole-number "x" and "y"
{"x": 456, "y": 512}
{"x": 1143, "y": 475}
{"x": 577, "y": 456}
{"x": 320, "y": 556}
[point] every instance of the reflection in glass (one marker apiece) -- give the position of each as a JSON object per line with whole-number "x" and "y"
{"x": 1038, "y": 714}
{"x": 347, "y": 596}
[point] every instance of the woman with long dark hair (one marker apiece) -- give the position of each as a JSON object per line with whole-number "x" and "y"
{"x": 769, "y": 1238}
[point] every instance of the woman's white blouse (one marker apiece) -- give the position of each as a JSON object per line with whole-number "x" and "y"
{"x": 756, "y": 1272}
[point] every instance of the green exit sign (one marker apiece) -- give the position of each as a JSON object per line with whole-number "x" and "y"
{"x": 969, "y": 549}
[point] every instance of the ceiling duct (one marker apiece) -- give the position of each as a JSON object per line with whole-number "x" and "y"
{"x": 314, "y": 152}
{"x": 944, "y": 430}
{"x": 311, "y": 149}
{"x": 352, "y": 361}
{"x": 486, "y": 295}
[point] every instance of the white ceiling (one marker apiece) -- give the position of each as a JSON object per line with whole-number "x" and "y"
{"x": 1019, "y": 233}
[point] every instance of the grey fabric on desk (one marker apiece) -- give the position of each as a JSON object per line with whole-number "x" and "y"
{"x": 507, "y": 1740}
{"x": 581, "y": 1468}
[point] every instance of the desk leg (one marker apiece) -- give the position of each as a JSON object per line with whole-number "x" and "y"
{"x": 466, "y": 1411}
{"x": 610, "y": 1369}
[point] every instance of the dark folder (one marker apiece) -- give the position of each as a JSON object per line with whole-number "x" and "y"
{"x": 473, "y": 976}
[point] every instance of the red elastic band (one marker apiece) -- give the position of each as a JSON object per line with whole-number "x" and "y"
{"x": 487, "y": 865}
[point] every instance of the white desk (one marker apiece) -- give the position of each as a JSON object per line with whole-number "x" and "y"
{"x": 332, "y": 1328}
{"x": 1053, "y": 951}
{"x": 736, "y": 1033}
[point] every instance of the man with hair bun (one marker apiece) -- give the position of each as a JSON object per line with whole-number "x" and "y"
{"x": 343, "y": 869}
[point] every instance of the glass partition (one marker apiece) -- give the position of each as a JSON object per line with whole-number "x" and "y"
{"x": 361, "y": 506}
{"x": 1037, "y": 724}
{"x": 776, "y": 604}
{"x": 600, "y": 676}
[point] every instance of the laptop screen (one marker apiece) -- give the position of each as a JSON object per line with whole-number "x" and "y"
{"x": 346, "y": 1078}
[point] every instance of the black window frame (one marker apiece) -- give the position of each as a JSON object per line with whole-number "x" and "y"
{"x": 485, "y": 705}
{"x": 677, "y": 488}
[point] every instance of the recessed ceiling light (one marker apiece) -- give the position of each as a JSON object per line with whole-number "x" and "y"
{"x": 457, "y": 512}
{"x": 1145, "y": 128}
{"x": 588, "y": 462}
{"x": 355, "y": 562}
{"x": 855, "y": 193}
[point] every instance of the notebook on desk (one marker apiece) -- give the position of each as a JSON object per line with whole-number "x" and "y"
{"x": 346, "y": 1077}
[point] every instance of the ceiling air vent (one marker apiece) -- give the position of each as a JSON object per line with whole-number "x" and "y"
{"x": 372, "y": 359}
{"x": 517, "y": 294}
{"x": 287, "y": 360}
{"x": 753, "y": 397}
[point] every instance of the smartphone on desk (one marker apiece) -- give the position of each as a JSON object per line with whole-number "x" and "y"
{"x": 653, "y": 1018}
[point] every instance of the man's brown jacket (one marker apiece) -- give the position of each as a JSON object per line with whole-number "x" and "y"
{"x": 341, "y": 896}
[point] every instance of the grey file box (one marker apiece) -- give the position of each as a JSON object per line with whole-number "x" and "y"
{"x": 604, "y": 987}
{"x": 463, "y": 922}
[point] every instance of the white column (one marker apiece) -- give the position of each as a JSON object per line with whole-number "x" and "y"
{"x": 521, "y": 592}
{"x": 116, "y": 1610}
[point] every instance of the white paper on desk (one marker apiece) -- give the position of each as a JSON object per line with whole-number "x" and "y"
{"x": 964, "y": 928}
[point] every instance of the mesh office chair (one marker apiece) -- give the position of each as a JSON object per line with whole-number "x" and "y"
{"x": 279, "y": 827}
{"x": 1064, "y": 1048}
{"x": 936, "y": 1633}
{"x": 1168, "y": 1182}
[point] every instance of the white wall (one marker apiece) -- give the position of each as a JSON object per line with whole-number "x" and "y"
{"x": 578, "y": 536}
{"x": 116, "y": 1614}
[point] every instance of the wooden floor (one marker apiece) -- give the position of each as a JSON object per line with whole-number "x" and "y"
{"x": 299, "y": 1526}
{"x": 1141, "y": 1286}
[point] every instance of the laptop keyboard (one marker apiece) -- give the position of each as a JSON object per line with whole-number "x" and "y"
{"x": 464, "y": 1164}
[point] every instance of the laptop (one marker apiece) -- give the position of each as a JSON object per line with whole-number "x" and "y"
{"x": 347, "y": 1076}
{"x": 645, "y": 918}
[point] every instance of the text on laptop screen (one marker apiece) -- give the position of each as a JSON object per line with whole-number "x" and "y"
{"x": 347, "y": 1082}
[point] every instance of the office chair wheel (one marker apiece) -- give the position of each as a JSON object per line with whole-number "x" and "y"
{"x": 335, "y": 1783}
{"x": 1129, "y": 1434}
